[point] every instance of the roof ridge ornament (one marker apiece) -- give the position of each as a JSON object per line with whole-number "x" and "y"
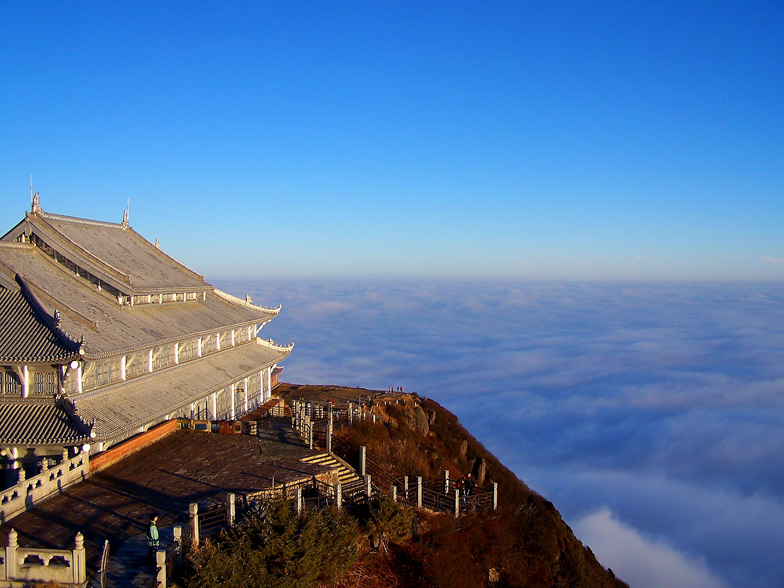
{"x": 36, "y": 204}
{"x": 125, "y": 218}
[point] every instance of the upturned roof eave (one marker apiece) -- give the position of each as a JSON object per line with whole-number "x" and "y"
{"x": 40, "y": 360}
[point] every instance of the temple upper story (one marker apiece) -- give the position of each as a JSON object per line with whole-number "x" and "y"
{"x": 103, "y": 335}
{"x": 71, "y": 266}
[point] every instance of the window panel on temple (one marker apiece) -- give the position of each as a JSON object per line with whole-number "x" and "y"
{"x": 163, "y": 357}
{"x": 189, "y": 350}
{"x": 223, "y": 403}
{"x": 45, "y": 383}
{"x": 10, "y": 384}
{"x": 136, "y": 364}
{"x": 71, "y": 382}
{"x": 101, "y": 374}
{"x": 240, "y": 336}
{"x": 207, "y": 344}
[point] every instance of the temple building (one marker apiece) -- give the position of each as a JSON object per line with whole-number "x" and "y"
{"x": 103, "y": 335}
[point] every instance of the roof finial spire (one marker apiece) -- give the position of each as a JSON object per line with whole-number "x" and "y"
{"x": 35, "y": 203}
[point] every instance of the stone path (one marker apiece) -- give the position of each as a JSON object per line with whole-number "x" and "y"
{"x": 163, "y": 478}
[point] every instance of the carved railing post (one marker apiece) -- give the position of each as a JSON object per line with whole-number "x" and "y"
{"x": 299, "y": 500}
{"x": 457, "y": 503}
{"x": 419, "y": 492}
{"x": 178, "y": 544}
{"x": 79, "y": 560}
{"x": 330, "y": 427}
{"x": 10, "y": 555}
{"x": 230, "y": 513}
{"x": 495, "y": 495}
{"x": 160, "y": 565}
{"x": 193, "y": 510}
{"x": 446, "y": 481}
{"x": 368, "y": 487}
{"x": 338, "y": 495}
{"x": 394, "y": 493}
{"x": 362, "y": 460}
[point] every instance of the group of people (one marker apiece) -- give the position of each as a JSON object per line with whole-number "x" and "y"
{"x": 465, "y": 485}
{"x": 395, "y": 389}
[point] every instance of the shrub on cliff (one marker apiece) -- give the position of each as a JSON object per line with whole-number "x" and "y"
{"x": 275, "y": 548}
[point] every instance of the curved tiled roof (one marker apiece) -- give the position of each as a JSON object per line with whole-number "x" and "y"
{"x": 42, "y": 421}
{"x": 25, "y": 337}
{"x": 121, "y": 251}
{"x": 109, "y": 328}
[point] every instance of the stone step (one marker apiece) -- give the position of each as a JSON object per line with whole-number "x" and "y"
{"x": 347, "y": 476}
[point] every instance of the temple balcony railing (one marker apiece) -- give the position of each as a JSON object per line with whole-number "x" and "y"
{"x": 30, "y": 491}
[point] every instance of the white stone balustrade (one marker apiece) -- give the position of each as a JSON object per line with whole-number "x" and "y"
{"x": 26, "y": 565}
{"x": 30, "y": 491}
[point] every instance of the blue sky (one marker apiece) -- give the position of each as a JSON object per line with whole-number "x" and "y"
{"x": 506, "y": 140}
{"x": 293, "y": 151}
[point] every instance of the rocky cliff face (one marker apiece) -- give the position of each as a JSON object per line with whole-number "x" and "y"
{"x": 524, "y": 543}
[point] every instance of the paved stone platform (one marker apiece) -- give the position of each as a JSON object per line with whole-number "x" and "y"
{"x": 326, "y": 393}
{"x": 163, "y": 478}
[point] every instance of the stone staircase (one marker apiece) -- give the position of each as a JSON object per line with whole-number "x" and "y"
{"x": 350, "y": 480}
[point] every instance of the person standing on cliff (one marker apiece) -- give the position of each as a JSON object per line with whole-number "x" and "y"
{"x": 468, "y": 484}
{"x": 152, "y": 539}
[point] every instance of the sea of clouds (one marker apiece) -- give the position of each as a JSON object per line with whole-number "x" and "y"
{"x": 652, "y": 415}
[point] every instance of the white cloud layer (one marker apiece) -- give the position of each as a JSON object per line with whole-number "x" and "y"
{"x": 662, "y": 401}
{"x": 642, "y": 562}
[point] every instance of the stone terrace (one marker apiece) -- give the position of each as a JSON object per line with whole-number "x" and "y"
{"x": 164, "y": 477}
{"x": 340, "y": 394}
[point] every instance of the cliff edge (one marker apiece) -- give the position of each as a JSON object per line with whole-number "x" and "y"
{"x": 523, "y": 543}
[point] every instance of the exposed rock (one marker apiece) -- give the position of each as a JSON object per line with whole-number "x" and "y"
{"x": 464, "y": 448}
{"x": 481, "y": 471}
{"x": 431, "y": 417}
{"x": 493, "y": 575}
{"x": 421, "y": 422}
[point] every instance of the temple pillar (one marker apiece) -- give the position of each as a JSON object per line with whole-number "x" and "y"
{"x": 176, "y": 353}
{"x": 25, "y": 382}
{"x": 233, "y": 393}
{"x": 149, "y": 360}
{"x": 198, "y": 347}
{"x": 123, "y": 359}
